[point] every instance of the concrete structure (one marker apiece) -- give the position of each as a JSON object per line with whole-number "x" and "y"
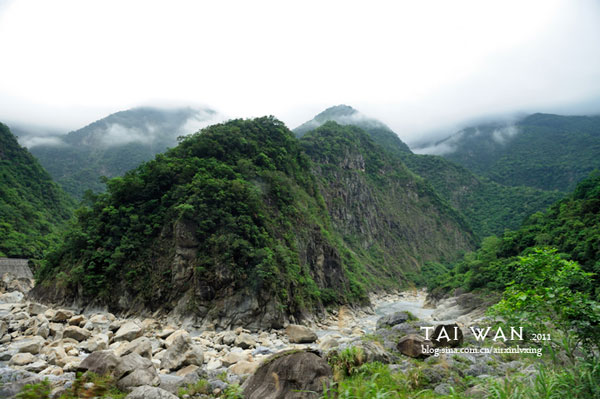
{"x": 18, "y": 267}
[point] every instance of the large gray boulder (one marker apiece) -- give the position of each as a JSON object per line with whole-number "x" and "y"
{"x": 100, "y": 363}
{"x": 148, "y": 392}
{"x": 300, "y": 335}
{"x": 393, "y": 319}
{"x": 414, "y": 346}
{"x": 128, "y": 332}
{"x": 134, "y": 371}
{"x": 181, "y": 353}
{"x": 77, "y": 333}
{"x": 289, "y": 375}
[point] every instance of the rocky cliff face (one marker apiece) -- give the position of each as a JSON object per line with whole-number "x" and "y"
{"x": 238, "y": 226}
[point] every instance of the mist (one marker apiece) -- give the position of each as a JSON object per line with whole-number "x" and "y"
{"x": 424, "y": 74}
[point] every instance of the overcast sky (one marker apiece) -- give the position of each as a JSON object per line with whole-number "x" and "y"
{"x": 419, "y": 66}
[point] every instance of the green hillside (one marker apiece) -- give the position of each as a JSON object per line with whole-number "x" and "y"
{"x": 32, "y": 207}
{"x": 237, "y": 225}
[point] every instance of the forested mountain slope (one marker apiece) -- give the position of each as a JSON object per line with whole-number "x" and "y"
{"x": 113, "y": 145}
{"x": 545, "y": 151}
{"x": 32, "y": 207}
{"x": 238, "y": 226}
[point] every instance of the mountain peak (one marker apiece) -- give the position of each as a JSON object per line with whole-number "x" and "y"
{"x": 337, "y": 111}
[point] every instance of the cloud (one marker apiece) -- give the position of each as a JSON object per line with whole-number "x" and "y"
{"x": 48, "y": 141}
{"x": 422, "y": 68}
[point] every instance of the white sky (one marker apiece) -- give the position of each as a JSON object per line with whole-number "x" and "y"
{"x": 415, "y": 65}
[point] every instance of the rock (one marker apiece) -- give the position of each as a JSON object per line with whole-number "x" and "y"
{"x": 11, "y": 297}
{"x": 245, "y": 341}
{"x": 328, "y": 344}
{"x": 141, "y": 346}
{"x": 191, "y": 369}
{"x": 35, "y": 309}
{"x": 36, "y": 367}
{"x": 98, "y": 342}
{"x": 300, "y": 334}
{"x": 443, "y": 389}
{"x": 214, "y": 364}
{"x": 31, "y": 345}
{"x": 148, "y": 392}
{"x": 55, "y": 328}
{"x": 262, "y": 350}
{"x": 164, "y": 333}
{"x": 228, "y": 338}
{"x": 3, "y": 327}
{"x": 128, "y": 332}
{"x": 98, "y": 321}
{"x": 134, "y": 371}
{"x": 181, "y": 353}
{"x": 77, "y": 320}
{"x": 21, "y": 359}
{"x": 100, "y": 363}
{"x": 450, "y": 335}
{"x": 289, "y": 375}
{"x": 233, "y": 358}
{"x": 77, "y": 333}
{"x": 393, "y": 319}
{"x": 61, "y": 315}
{"x": 412, "y": 345}
{"x": 176, "y": 334}
{"x": 243, "y": 367}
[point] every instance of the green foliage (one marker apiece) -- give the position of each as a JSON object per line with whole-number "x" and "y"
{"x": 40, "y": 390}
{"x": 572, "y": 226}
{"x": 551, "y": 295}
{"x": 91, "y": 385}
{"x": 199, "y": 387}
{"x": 347, "y": 362}
{"x": 33, "y": 209}
{"x": 549, "y": 152}
{"x": 242, "y": 192}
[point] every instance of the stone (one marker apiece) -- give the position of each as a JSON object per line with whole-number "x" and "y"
{"x": 300, "y": 335}
{"x": 77, "y": 320}
{"x": 98, "y": 342}
{"x": 175, "y": 335}
{"x": 190, "y": 369}
{"x": 393, "y": 319}
{"x": 31, "y": 345}
{"x": 21, "y": 359}
{"x": 36, "y": 366}
{"x": 55, "y": 328}
{"x": 148, "y": 392}
{"x": 243, "y": 367}
{"x": 35, "y": 309}
{"x": 100, "y": 363}
{"x": 11, "y": 297}
{"x": 245, "y": 341}
{"x": 289, "y": 374}
{"x": 141, "y": 346}
{"x": 77, "y": 333}
{"x": 233, "y": 358}
{"x": 450, "y": 335}
{"x": 98, "y": 321}
{"x": 164, "y": 333}
{"x": 134, "y": 371}
{"x": 181, "y": 353}
{"x": 328, "y": 344}
{"x": 128, "y": 332}
{"x": 62, "y": 315}
{"x": 214, "y": 364}
{"x": 228, "y": 338}
{"x": 412, "y": 345}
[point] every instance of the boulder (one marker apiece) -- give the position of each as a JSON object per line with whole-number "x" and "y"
{"x": 134, "y": 371}
{"x": 31, "y": 345}
{"x": 21, "y": 359}
{"x": 243, "y": 367}
{"x": 98, "y": 342}
{"x": 100, "y": 363}
{"x": 77, "y": 320}
{"x": 36, "y": 308}
{"x": 175, "y": 335}
{"x": 245, "y": 341}
{"x": 233, "y": 358}
{"x": 11, "y": 297}
{"x": 77, "y": 333}
{"x": 447, "y": 335}
{"x": 413, "y": 345}
{"x": 187, "y": 370}
{"x": 128, "y": 332}
{"x": 289, "y": 374}
{"x": 300, "y": 334}
{"x": 181, "y": 353}
{"x": 228, "y": 338}
{"x": 141, "y": 346}
{"x": 393, "y": 319}
{"x": 148, "y": 392}
{"x": 62, "y": 315}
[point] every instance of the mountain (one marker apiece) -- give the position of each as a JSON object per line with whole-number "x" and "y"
{"x": 113, "y": 145}
{"x": 571, "y": 225}
{"x": 487, "y": 206}
{"x": 346, "y": 115}
{"x": 244, "y": 224}
{"x": 32, "y": 207}
{"x": 549, "y": 152}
